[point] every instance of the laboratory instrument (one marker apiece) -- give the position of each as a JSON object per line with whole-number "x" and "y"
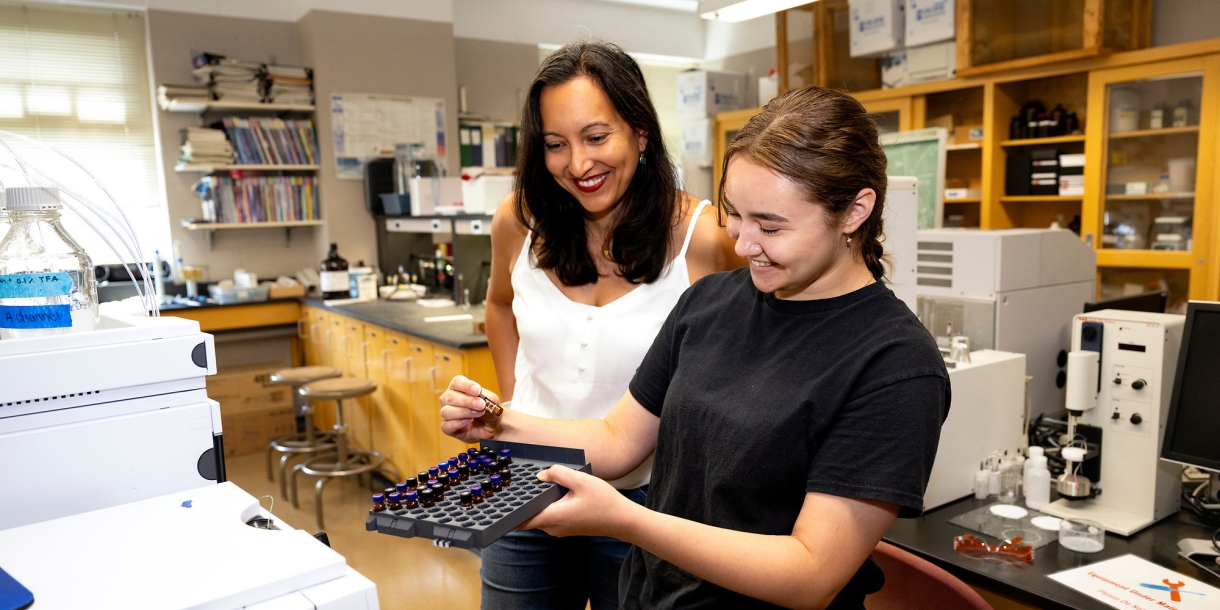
{"x": 987, "y": 412}
{"x": 1118, "y": 392}
{"x": 207, "y": 547}
{"x": 1013, "y": 290}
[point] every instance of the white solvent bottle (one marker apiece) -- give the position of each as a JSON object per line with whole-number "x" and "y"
{"x": 47, "y": 284}
{"x": 1037, "y": 484}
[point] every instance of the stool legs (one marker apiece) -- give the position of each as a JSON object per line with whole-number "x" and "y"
{"x": 344, "y": 462}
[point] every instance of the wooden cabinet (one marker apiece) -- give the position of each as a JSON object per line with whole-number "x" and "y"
{"x": 1149, "y": 200}
{"x": 402, "y": 419}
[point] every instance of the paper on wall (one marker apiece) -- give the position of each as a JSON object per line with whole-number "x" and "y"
{"x": 367, "y": 126}
{"x": 1132, "y": 583}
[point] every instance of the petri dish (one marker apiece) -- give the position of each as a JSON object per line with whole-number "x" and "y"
{"x": 1082, "y": 535}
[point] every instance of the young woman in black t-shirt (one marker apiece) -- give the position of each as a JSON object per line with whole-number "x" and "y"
{"x": 794, "y": 407}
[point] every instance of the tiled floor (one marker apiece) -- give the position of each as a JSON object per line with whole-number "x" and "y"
{"x": 410, "y": 573}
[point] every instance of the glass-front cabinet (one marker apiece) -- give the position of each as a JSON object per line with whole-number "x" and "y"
{"x": 1148, "y": 205}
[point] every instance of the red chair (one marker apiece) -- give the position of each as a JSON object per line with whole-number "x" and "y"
{"x": 913, "y": 583}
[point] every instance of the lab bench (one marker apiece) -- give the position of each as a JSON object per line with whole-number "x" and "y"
{"x": 930, "y": 536}
{"x": 412, "y": 362}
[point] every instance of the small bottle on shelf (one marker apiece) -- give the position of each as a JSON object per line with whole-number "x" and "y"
{"x": 378, "y": 503}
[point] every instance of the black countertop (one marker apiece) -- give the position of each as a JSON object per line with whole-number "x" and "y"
{"x": 931, "y": 536}
{"x": 407, "y": 317}
{"x": 184, "y": 306}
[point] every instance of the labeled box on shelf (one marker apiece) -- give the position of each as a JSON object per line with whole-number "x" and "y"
{"x": 1071, "y": 175}
{"x": 876, "y": 26}
{"x": 703, "y": 93}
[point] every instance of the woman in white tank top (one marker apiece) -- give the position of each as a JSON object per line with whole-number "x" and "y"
{"x": 589, "y": 255}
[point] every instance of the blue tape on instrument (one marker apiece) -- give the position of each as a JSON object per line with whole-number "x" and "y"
{"x": 33, "y": 285}
{"x": 35, "y": 316}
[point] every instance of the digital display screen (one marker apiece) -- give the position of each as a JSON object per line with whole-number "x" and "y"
{"x": 1196, "y": 425}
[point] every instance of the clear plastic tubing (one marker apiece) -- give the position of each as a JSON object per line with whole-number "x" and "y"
{"x": 47, "y": 284}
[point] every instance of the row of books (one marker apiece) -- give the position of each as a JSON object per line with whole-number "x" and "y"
{"x": 251, "y": 197}
{"x": 205, "y": 146}
{"x": 235, "y": 80}
{"x": 488, "y": 144}
{"x": 272, "y": 141}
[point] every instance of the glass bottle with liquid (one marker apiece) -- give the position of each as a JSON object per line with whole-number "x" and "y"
{"x": 336, "y": 283}
{"x": 47, "y": 284}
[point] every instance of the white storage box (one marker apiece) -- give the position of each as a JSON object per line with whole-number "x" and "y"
{"x": 226, "y": 296}
{"x": 703, "y": 94}
{"x": 876, "y": 26}
{"x": 431, "y": 196}
{"x": 929, "y": 21}
{"x": 481, "y": 194}
{"x": 697, "y": 142}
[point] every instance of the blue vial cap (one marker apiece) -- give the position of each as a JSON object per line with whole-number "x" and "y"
{"x": 442, "y": 466}
{"x": 453, "y": 472}
{"x": 433, "y": 471}
{"x": 394, "y": 497}
{"x": 506, "y": 452}
{"x": 401, "y": 486}
{"x": 378, "y": 498}
{"x": 495, "y": 479}
{"x": 476, "y": 490}
{"x": 472, "y": 451}
{"x": 452, "y": 462}
{"x": 411, "y": 496}
{"x": 462, "y": 457}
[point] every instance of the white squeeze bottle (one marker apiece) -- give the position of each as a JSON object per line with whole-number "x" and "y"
{"x": 47, "y": 284}
{"x": 1037, "y": 483}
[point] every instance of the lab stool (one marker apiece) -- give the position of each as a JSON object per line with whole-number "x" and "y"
{"x": 301, "y": 443}
{"x": 344, "y": 461}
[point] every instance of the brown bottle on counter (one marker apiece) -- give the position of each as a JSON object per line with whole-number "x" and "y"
{"x": 334, "y": 276}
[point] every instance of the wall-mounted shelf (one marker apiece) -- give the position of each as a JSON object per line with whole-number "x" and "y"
{"x": 1150, "y": 196}
{"x": 196, "y": 107}
{"x": 1023, "y": 198}
{"x": 269, "y": 167}
{"x": 212, "y": 227}
{"x": 964, "y": 146}
{"x": 1143, "y": 133}
{"x": 965, "y": 200}
{"x": 1044, "y": 141}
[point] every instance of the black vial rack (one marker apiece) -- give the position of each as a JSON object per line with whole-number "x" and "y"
{"x": 449, "y": 524}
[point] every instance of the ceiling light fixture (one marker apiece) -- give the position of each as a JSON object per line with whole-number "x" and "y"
{"x": 733, "y": 11}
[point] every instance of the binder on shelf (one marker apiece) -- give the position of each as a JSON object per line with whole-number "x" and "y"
{"x": 464, "y": 142}
{"x": 476, "y": 146}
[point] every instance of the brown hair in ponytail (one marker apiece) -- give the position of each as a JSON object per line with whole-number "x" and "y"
{"x": 825, "y": 142}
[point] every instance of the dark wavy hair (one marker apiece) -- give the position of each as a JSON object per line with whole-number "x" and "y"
{"x": 640, "y": 237}
{"x": 826, "y": 143}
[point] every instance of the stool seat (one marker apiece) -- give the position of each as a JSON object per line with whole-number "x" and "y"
{"x": 301, "y": 375}
{"x": 339, "y": 388}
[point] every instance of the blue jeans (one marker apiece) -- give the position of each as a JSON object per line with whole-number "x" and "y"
{"x": 531, "y": 569}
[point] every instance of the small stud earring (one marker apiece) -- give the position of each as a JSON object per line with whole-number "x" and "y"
{"x": 642, "y": 159}
{"x": 849, "y": 240}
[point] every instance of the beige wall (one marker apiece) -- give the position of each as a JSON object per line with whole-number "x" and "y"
{"x": 350, "y": 53}
{"x": 173, "y": 39}
{"x": 363, "y": 54}
{"x": 496, "y": 76}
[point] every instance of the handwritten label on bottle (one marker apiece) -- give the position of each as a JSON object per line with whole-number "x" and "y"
{"x": 35, "y": 316}
{"x": 34, "y": 285}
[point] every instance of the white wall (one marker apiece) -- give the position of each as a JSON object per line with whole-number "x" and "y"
{"x": 727, "y": 39}
{"x": 637, "y": 29}
{"x": 288, "y": 10}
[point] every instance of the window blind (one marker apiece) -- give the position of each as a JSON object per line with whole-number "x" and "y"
{"x": 77, "y": 79}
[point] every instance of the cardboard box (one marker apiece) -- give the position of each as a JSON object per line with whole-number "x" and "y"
{"x": 249, "y": 432}
{"x": 876, "y": 26}
{"x": 285, "y": 292}
{"x": 929, "y": 21}
{"x": 964, "y": 134}
{"x": 697, "y": 142}
{"x": 702, "y": 94}
{"x": 252, "y": 413}
{"x": 244, "y": 389}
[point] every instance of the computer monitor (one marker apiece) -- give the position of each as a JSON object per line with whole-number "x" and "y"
{"x": 1151, "y": 302}
{"x": 1192, "y": 431}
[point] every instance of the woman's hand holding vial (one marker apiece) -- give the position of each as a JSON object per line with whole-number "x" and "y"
{"x": 469, "y": 412}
